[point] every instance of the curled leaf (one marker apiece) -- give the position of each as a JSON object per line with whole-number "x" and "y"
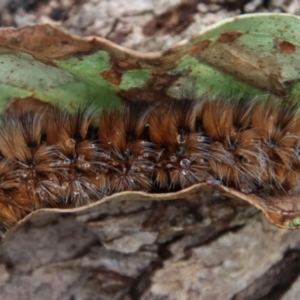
{"x": 249, "y": 55}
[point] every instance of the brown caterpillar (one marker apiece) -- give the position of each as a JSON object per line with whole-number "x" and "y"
{"x": 54, "y": 158}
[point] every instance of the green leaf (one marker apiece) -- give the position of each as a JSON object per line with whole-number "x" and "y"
{"x": 245, "y": 56}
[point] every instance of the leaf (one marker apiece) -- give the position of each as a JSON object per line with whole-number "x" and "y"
{"x": 261, "y": 50}
{"x": 281, "y": 214}
{"x": 248, "y": 56}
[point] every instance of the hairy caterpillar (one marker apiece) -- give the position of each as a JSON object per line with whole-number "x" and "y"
{"x": 54, "y": 158}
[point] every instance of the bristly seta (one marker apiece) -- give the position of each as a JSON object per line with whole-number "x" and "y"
{"x": 57, "y": 158}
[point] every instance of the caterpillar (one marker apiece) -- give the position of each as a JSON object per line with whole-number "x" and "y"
{"x": 55, "y": 158}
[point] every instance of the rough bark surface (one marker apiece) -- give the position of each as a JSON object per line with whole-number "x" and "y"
{"x": 194, "y": 248}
